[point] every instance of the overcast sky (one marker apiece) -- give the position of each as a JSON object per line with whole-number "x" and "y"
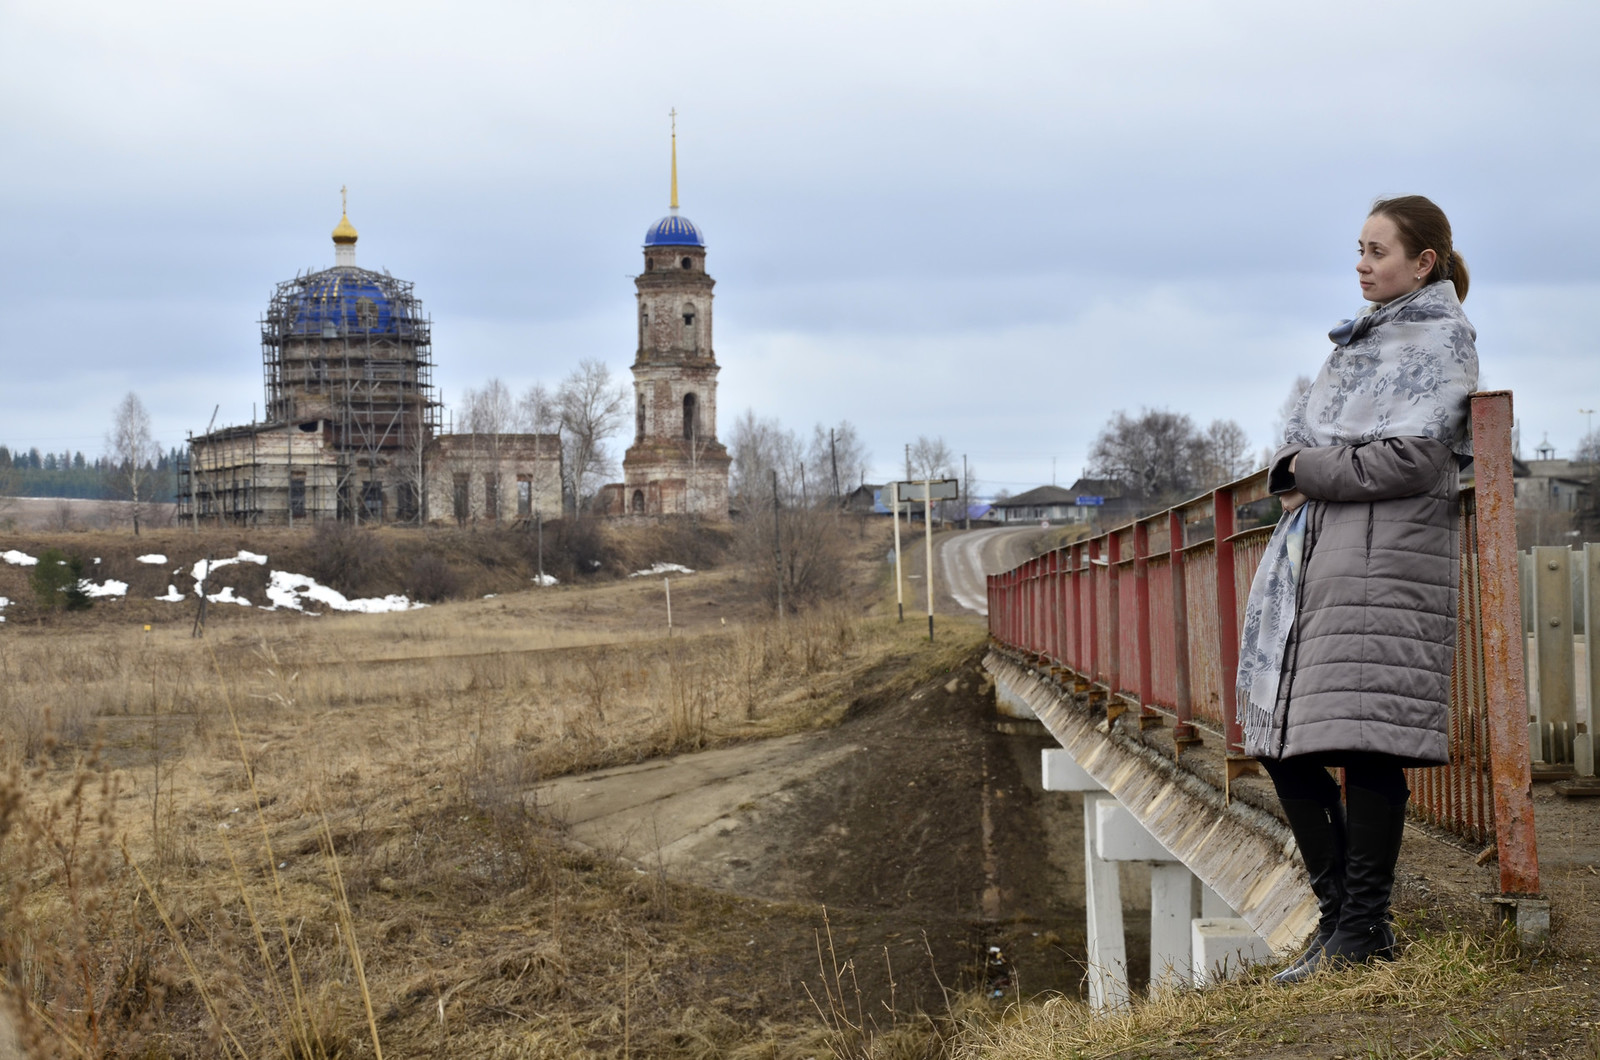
{"x": 996, "y": 222}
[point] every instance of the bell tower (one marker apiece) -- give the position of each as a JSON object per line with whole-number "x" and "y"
{"x": 676, "y": 465}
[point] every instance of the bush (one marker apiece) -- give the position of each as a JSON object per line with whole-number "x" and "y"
{"x": 816, "y": 553}
{"x": 56, "y": 579}
{"x": 431, "y": 579}
{"x": 348, "y": 558}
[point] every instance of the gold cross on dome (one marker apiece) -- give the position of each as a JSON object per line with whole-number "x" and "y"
{"x": 673, "y": 114}
{"x": 344, "y": 200}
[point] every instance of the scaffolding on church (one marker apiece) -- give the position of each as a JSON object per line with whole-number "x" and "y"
{"x": 350, "y": 409}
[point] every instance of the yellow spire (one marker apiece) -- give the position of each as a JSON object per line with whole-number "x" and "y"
{"x": 674, "y": 116}
{"x": 344, "y": 232}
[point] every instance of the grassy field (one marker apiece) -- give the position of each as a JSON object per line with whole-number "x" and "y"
{"x": 311, "y": 837}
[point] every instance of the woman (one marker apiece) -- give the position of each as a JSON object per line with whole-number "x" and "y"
{"x": 1350, "y": 626}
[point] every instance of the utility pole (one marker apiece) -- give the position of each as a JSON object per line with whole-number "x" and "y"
{"x": 927, "y": 526}
{"x": 777, "y": 542}
{"x": 899, "y": 582}
{"x": 833, "y": 458}
{"x": 966, "y": 501}
{"x": 908, "y": 461}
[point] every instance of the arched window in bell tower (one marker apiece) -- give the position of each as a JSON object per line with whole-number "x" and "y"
{"x": 639, "y": 426}
{"x": 691, "y": 337}
{"x": 691, "y": 415}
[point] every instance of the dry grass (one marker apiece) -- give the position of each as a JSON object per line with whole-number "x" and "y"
{"x": 1449, "y": 995}
{"x": 205, "y": 843}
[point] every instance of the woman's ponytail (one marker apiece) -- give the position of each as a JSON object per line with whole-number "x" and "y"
{"x": 1456, "y": 271}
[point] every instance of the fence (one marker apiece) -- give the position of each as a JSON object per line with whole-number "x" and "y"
{"x": 1560, "y": 603}
{"x": 1150, "y": 614}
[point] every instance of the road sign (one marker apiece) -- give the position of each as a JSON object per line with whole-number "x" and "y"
{"x": 1090, "y": 502}
{"x": 941, "y": 489}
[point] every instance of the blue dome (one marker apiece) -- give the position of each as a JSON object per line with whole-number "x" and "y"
{"x": 350, "y": 300}
{"x": 674, "y": 231}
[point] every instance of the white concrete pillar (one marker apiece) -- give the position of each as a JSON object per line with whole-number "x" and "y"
{"x": 1102, "y": 902}
{"x": 1225, "y": 946}
{"x": 1212, "y": 906}
{"x": 1171, "y": 920}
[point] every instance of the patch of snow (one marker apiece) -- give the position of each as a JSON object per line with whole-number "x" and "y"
{"x": 290, "y": 590}
{"x": 490, "y": 596}
{"x": 226, "y": 597}
{"x": 545, "y": 579}
{"x": 200, "y": 567}
{"x": 154, "y": 557}
{"x": 112, "y": 587}
{"x": 659, "y": 569}
{"x": 173, "y": 595}
{"x": 97, "y": 561}
{"x": 3, "y": 603}
{"x": 18, "y": 559}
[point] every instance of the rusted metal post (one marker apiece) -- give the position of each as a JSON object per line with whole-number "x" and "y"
{"x": 1114, "y": 614}
{"x": 1222, "y": 518}
{"x": 1080, "y": 636}
{"x": 1092, "y": 663}
{"x": 1505, "y": 695}
{"x": 1052, "y": 614}
{"x": 1184, "y": 732}
{"x": 1148, "y": 717}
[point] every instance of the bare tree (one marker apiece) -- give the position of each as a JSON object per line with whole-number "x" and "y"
{"x": 1152, "y": 455}
{"x": 758, "y": 446}
{"x": 539, "y": 412}
{"x": 931, "y": 458}
{"x": 592, "y": 410}
{"x": 132, "y": 453}
{"x": 1224, "y": 454}
{"x": 489, "y": 415}
{"x": 838, "y": 450}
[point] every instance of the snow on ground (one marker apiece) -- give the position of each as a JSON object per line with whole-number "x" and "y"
{"x": 3, "y": 603}
{"x": 659, "y": 569}
{"x": 292, "y": 590}
{"x": 545, "y": 580}
{"x": 225, "y": 596}
{"x": 173, "y": 595}
{"x": 112, "y": 587}
{"x": 154, "y": 557}
{"x": 201, "y": 567}
{"x": 18, "y": 559}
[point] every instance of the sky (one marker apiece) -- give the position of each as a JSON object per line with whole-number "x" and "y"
{"x": 992, "y": 222}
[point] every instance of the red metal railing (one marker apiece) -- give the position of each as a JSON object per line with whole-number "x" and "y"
{"x": 1151, "y": 614}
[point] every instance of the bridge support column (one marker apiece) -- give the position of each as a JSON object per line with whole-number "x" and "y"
{"x": 1111, "y": 834}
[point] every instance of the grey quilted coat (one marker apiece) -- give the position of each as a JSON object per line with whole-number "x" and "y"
{"x": 1367, "y": 665}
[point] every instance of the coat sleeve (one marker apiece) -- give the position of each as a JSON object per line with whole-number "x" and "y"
{"x": 1371, "y": 471}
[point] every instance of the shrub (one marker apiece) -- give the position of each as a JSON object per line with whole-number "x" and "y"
{"x": 348, "y": 558}
{"x": 55, "y": 580}
{"x": 431, "y": 579}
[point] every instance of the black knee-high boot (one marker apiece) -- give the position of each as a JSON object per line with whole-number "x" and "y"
{"x": 1320, "y": 833}
{"x": 1375, "y": 827}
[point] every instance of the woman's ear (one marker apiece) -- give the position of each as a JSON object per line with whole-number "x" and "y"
{"x": 1425, "y": 263}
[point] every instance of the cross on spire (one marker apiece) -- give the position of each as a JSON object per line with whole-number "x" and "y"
{"x": 344, "y": 200}
{"x": 673, "y": 114}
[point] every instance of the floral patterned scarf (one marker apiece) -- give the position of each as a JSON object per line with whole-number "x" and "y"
{"x": 1399, "y": 370}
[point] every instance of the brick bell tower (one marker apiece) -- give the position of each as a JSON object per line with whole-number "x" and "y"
{"x": 675, "y": 465}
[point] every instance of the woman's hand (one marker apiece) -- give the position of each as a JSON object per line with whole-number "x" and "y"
{"x": 1292, "y": 500}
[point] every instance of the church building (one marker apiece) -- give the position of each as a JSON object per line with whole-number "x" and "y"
{"x": 676, "y": 465}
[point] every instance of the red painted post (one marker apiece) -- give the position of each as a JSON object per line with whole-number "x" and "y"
{"x": 1052, "y": 616}
{"x": 1114, "y": 612}
{"x": 1500, "y": 627}
{"x": 1141, "y": 603}
{"x": 1080, "y": 636}
{"x": 1227, "y": 615}
{"x": 1184, "y": 731}
{"x": 1092, "y": 663}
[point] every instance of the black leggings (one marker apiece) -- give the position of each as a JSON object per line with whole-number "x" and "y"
{"x": 1307, "y": 777}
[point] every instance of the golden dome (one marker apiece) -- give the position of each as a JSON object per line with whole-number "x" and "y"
{"x": 344, "y": 232}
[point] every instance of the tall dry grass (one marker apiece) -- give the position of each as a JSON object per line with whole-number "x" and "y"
{"x": 202, "y": 842}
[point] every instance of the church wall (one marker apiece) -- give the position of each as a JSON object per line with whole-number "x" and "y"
{"x": 522, "y": 471}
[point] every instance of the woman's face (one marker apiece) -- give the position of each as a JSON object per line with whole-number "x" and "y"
{"x": 1383, "y": 268}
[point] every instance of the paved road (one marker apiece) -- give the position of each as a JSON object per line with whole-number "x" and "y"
{"x": 966, "y": 559}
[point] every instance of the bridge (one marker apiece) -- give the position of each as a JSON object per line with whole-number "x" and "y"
{"x": 1124, "y": 646}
